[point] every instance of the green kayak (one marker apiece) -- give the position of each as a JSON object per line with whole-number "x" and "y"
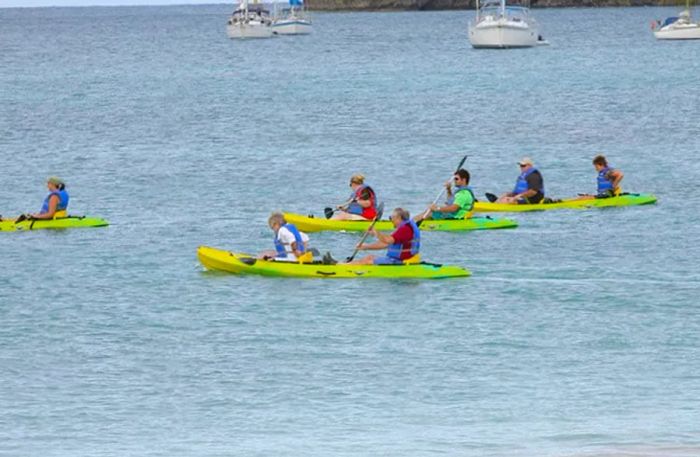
{"x": 9, "y": 225}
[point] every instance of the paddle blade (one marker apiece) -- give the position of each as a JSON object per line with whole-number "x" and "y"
{"x": 491, "y": 197}
{"x": 380, "y": 211}
{"x": 328, "y": 212}
{"x": 248, "y": 260}
{"x": 464, "y": 159}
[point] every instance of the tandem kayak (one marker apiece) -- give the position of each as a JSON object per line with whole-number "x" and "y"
{"x": 9, "y": 225}
{"x": 237, "y": 263}
{"x": 313, "y": 224}
{"x": 572, "y": 203}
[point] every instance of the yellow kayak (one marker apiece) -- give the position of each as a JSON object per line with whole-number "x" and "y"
{"x": 9, "y": 225}
{"x": 238, "y": 263}
{"x": 317, "y": 224}
{"x": 572, "y": 203}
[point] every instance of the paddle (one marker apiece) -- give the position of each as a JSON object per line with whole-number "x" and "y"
{"x": 427, "y": 211}
{"x": 328, "y": 211}
{"x": 491, "y": 197}
{"x": 380, "y": 212}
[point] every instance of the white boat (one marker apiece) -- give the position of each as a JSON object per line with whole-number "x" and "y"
{"x": 292, "y": 21}
{"x": 680, "y": 27}
{"x": 502, "y": 25}
{"x": 249, "y": 21}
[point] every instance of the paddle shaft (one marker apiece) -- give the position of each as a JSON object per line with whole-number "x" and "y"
{"x": 427, "y": 211}
{"x": 380, "y": 211}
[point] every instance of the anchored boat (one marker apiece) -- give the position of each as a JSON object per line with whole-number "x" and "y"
{"x": 499, "y": 24}
{"x": 238, "y": 263}
{"x": 680, "y": 27}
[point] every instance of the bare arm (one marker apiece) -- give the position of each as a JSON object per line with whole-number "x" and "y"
{"x": 53, "y": 204}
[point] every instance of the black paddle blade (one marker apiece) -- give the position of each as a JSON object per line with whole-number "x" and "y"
{"x": 464, "y": 159}
{"x": 328, "y": 212}
{"x": 491, "y": 197}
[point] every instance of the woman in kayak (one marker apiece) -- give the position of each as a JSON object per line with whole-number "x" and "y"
{"x": 608, "y": 180}
{"x": 459, "y": 203}
{"x": 529, "y": 188}
{"x": 362, "y": 204}
{"x": 402, "y": 245}
{"x": 55, "y": 204}
{"x": 291, "y": 245}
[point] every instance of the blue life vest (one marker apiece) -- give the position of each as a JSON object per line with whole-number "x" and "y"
{"x": 604, "y": 184}
{"x": 356, "y": 208}
{"x": 521, "y": 183}
{"x": 394, "y": 250}
{"x": 62, "y": 201}
{"x": 458, "y": 189}
{"x": 279, "y": 247}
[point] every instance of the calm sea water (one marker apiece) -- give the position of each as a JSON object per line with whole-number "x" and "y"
{"x": 577, "y": 335}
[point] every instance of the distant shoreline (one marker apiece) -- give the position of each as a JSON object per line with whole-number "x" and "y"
{"x": 434, "y": 5}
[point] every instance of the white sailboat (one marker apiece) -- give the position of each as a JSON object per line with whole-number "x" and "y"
{"x": 502, "y": 25}
{"x": 680, "y": 27}
{"x": 293, "y": 21}
{"x": 249, "y": 21}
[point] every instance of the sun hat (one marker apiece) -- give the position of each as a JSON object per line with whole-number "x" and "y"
{"x": 526, "y": 161}
{"x": 56, "y": 181}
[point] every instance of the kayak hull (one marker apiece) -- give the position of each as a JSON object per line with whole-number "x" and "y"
{"x": 622, "y": 200}
{"x": 313, "y": 224}
{"x": 9, "y": 225}
{"x": 232, "y": 262}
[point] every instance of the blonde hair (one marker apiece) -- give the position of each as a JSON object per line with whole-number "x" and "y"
{"x": 357, "y": 179}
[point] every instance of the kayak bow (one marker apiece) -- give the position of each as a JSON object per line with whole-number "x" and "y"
{"x": 238, "y": 263}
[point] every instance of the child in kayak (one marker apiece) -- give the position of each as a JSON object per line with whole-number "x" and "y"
{"x": 291, "y": 245}
{"x": 402, "y": 245}
{"x": 608, "y": 179}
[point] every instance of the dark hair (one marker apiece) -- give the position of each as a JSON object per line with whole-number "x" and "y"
{"x": 600, "y": 160}
{"x": 462, "y": 173}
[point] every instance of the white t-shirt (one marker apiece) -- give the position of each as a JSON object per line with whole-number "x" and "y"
{"x": 287, "y": 238}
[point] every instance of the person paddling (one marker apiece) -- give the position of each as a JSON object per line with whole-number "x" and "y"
{"x": 55, "y": 204}
{"x": 362, "y": 204}
{"x": 529, "y": 187}
{"x": 402, "y": 245}
{"x": 291, "y": 245}
{"x": 459, "y": 202}
{"x": 608, "y": 179}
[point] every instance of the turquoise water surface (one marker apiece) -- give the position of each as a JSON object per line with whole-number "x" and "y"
{"x": 577, "y": 335}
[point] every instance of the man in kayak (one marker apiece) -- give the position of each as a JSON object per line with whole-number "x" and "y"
{"x": 608, "y": 180}
{"x": 529, "y": 188}
{"x": 362, "y": 204}
{"x": 55, "y": 204}
{"x": 459, "y": 202}
{"x": 403, "y": 244}
{"x": 291, "y": 245}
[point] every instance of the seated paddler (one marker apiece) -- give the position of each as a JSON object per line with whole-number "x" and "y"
{"x": 608, "y": 179}
{"x": 529, "y": 187}
{"x": 291, "y": 245}
{"x": 459, "y": 203}
{"x": 362, "y": 204}
{"x": 55, "y": 204}
{"x": 402, "y": 245}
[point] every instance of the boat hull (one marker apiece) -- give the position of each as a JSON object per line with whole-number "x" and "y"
{"x": 502, "y": 34}
{"x": 244, "y": 264}
{"x": 681, "y": 32}
{"x": 292, "y": 27}
{"x": 622, "y": 200}
{"x": 242, "y": 31}
{"x": 312, "y": 224}
{"x": 9, "y": 225}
